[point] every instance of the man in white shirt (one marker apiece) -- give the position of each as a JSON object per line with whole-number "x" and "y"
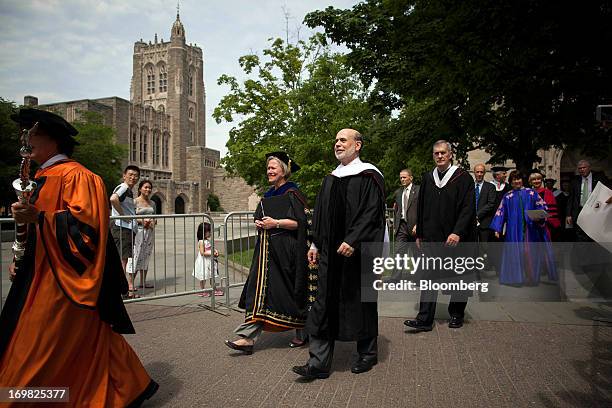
{"x": 405, "y": 206}
{"x": 122, "y": 203}
{"x": 580, "y": 189}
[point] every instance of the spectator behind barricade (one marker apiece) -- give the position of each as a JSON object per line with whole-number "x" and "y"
{"x": 143, "y": 243}
{"x": 553, "y": 223}
{"x": 206, "y": 263}
{"x": 122, "y": 203}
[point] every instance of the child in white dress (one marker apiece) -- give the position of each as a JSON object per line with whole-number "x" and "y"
{"x": 205, "y": 263}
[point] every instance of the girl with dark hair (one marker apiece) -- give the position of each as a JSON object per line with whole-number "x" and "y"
{"x": 205, "y": 264}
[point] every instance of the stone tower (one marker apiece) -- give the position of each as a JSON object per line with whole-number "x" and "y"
{"x": 169, "y": 77}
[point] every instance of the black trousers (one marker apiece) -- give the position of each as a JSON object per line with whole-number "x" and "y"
{"x": 322, "y": 351}
{"x": 403, "y": 233}
{"x": 403, "y": 236}
{"x": 484, "y": 236}
{"x": 427, "y": 306}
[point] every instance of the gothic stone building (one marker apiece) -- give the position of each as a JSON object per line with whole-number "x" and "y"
{"x": 164, "y": 126}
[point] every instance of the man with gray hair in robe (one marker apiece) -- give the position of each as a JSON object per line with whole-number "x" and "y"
{"x": 349, "y": 213}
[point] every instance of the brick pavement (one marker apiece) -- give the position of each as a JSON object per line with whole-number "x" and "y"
{"x": 484, "y": 364}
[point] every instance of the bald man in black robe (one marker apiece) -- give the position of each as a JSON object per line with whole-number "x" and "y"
{"x": 349, "y": 212}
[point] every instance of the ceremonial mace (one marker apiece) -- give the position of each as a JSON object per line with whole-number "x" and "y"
{"x": 24, "y": 187}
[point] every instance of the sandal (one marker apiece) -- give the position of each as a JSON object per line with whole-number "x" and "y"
{"x": 133, "y": 294}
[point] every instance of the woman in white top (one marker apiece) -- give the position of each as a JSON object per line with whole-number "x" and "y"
{"x": 143, "y": 243}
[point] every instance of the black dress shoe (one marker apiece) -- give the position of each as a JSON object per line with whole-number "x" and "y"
{"x": 246, "y": 349}
{"x": 418, "y": 325}
{"x": 309, "y": 372}
{"x": 363, "y": 364}
{"x": 455, "y": 322}
{"x": 296, "y": 343}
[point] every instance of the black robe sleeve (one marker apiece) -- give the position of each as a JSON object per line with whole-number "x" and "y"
{"x": 421, "y": 205}
{"x": 466, "y": 214}
{"x": 297, "y": 212}
{"x": 258, "y": 215}
{"x": 316, "y": 216}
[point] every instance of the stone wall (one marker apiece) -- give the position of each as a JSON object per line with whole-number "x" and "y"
{"x": 73, "y": 111}
{"x": 120, "y": 117}
{"x": 234, "y": 193}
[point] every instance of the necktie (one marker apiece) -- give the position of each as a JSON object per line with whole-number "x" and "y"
{"x": 584, "y": 191}
{"x": 477, "y": 195}
{"x": 405, "y": 202}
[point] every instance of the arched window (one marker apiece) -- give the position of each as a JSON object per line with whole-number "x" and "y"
{"x": 163, "y": 79}
{"x": 190, "y": 84}
{"x": 165, "y": 146}
{"x": 143, "y": 145}
{"x": 179, "y": 205}
{"x": 150, "y": 80}
{"x": 161, "y": 108}
{"x": 156, "y": 141}
{"x": 134, "y": 144}
{"x": 190, "y": 113}
{"x": 158, "y": 203}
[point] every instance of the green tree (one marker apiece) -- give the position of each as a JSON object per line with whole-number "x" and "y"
{"x": 10, "y": 159}
{"x": 213, "y": 203}
{"x": 297, "y": 97}
{"x": 506, "y": 77}
{"x": 97, "y": 150}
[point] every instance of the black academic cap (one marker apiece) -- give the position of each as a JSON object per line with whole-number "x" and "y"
{"x": 536, "y": 171}
{"x": 54, "y": 125}
{"x": 499, "y": 168}
{"x": 284, "y": 157}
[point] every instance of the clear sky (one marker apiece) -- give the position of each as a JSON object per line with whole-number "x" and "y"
{"x": 61, "y": 50}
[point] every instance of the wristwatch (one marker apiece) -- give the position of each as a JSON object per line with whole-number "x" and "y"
{"x": 277, "y": 223}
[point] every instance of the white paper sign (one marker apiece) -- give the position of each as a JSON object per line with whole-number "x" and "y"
{"x": 595, "y": 219}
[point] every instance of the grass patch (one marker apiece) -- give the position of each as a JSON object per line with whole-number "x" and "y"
{"x": 243, "y": 258}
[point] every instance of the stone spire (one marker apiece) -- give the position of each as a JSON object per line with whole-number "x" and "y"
{"x": 178, "y": 31}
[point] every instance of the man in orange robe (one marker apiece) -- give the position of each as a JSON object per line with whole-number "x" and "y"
{"x": 61, "y": 324}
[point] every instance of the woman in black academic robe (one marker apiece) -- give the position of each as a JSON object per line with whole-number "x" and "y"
{"x": 274, "y": 295}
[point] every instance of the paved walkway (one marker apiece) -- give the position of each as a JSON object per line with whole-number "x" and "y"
{"x": 487, "y": 363}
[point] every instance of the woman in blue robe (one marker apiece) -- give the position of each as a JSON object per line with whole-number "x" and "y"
{"x": 275, "y": 294}
{"x": 522, "y": 260}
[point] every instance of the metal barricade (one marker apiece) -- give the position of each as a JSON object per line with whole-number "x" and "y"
{"x": 175, "y": 248}
{"x": 174, "y": 252}
{"x": 7, "y": 237}
{"x": 239, "y": 237}
{"x": 171, "y": 263}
